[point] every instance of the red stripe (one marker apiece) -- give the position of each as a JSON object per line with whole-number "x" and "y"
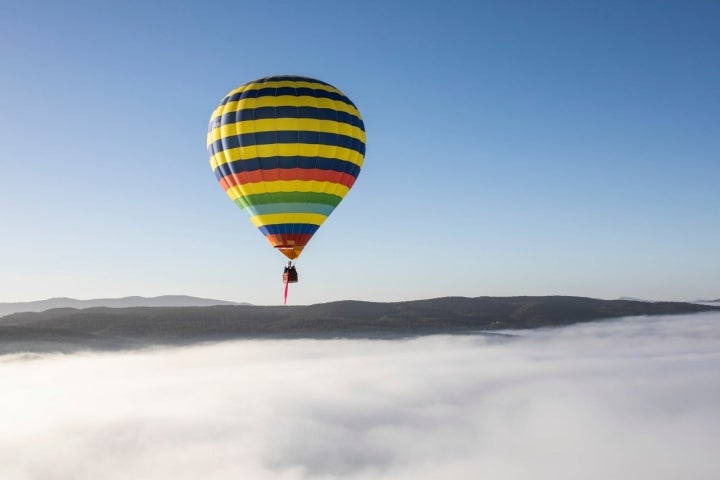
{"x": 258, "y": 176}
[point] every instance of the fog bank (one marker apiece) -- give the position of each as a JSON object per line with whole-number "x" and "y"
{"x": 636, "y": 398}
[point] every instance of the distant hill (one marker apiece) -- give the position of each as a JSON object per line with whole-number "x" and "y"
{"x": 634, "y": 299}
{"x": 124, "y": 302}
{"x": 70, "y": 329}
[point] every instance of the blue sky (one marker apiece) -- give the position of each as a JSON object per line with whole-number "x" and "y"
{"x": 513, "y": 148}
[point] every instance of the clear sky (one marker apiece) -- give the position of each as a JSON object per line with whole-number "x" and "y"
{"x": 513, "y": 148}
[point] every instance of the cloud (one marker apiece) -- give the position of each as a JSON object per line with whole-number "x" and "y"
{"x": 635, "y": 398}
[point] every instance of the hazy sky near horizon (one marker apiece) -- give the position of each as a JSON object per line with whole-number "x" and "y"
{"x": 513, "y": 148}
{"x": 631, "y": 398}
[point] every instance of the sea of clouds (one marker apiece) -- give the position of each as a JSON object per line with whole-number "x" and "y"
{"x": 637, "y": 398}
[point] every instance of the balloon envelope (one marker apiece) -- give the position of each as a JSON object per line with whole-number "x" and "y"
{"x": 286, "y": 150}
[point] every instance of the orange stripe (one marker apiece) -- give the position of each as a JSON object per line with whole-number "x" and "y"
{"x": 289, "y": 240}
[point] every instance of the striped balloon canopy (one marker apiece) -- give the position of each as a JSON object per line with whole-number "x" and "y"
{"x": 286, "y": 149}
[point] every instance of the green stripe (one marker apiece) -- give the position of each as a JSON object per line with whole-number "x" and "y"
{"x": 270, "y": 208}
{"x": 288, "y": 197}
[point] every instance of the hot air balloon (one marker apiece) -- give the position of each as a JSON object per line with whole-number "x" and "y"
{"x": 286, "y": 149}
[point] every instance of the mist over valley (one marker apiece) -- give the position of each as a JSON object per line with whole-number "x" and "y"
{"x": 634, "y": 397}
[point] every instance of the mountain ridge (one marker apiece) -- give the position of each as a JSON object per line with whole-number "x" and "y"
{"x": 103, "y": 328}
{"x": 8, "y": 308}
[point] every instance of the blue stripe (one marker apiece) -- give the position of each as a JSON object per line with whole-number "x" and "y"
{"x": 290, "y": 78}
{"x": 271, "y": 163}
{"x": 292, "y": 91}
{"x": 270, "y": 208}
{"x": 282, "y": 78}
{"x": 285, "y": 136}
{"x": 289, "y": 228}
{"x": 286, "y": 112}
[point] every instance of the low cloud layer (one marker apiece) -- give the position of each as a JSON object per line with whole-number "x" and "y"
{"x": 636, "y": 398}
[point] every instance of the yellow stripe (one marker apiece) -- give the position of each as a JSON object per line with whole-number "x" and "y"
{"x": 276, "y": 218}
{"x": 238, "y": 191}
{"x": 239, "y": 89}
{"x": 286, "y": 150}
{"x": 285, "y": 124}
{"x": 285, "y": 101}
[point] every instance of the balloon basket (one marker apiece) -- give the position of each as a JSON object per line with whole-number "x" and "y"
{"x": 290, "y": 276}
